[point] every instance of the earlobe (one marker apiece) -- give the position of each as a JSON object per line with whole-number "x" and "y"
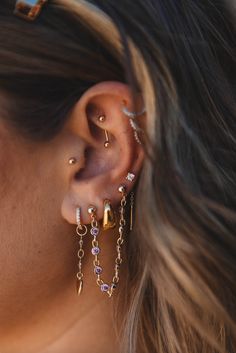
{"x": 113, "y": 156}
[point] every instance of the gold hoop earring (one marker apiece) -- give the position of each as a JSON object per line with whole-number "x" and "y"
{"x": 109, "y": 219}
{"x": 72, "y": 160}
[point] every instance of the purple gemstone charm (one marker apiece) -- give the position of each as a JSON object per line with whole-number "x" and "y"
{"x": 95, "y": 250}
{"x": 94, "y": 231}
{"x": 104, "y": 287}
{"x": 97, "y": 270}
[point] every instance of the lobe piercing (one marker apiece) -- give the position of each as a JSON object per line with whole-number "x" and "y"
{"x": 72, "y": 160}
{"x": 101, "y": 118}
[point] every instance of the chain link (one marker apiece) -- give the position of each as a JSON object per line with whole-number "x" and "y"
{"x": 81, "y": 231}
{"x": 95, "y": 250}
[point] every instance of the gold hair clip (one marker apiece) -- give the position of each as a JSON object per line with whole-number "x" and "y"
{"x": 29, "y": 9}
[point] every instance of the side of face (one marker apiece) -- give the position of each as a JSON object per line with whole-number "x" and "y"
{"x": 40, "y": 190}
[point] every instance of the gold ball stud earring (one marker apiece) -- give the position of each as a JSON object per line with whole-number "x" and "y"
{"x": 101, "y": 118}
{"x": 72, "y": 160}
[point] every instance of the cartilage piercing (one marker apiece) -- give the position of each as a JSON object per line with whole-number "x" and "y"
{"x": 132, "y": 116}
{"x": 72, "y": 160}
{"x": 101, "y": 119}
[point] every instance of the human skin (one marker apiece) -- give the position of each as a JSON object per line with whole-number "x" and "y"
{"x": 39, "y": 307}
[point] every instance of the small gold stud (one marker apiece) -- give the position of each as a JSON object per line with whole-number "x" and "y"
{"x": 122, "y": 189}
{"x": 91, "y": 209}
{"x": 72, "y": 160}
{"x": 109, "y": 220}
{"x": 101, "y": 118}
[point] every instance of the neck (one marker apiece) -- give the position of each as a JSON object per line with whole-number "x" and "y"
{"x": 47, "y": 316}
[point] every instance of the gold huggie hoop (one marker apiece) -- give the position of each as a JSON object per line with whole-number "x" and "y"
{"x": 29, "y": 9}
{"x": 109, "y": 220}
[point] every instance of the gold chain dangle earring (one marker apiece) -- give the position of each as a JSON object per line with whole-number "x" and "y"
{"x": 81, "y": 231}
{"x": 95, "y": 230}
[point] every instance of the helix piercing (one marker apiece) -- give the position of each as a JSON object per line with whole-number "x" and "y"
{"x": 132, "y": 116}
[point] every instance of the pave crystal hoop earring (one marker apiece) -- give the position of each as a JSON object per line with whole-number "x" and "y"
{"x": 81, "y": 231}
{"x": 95, "y": 230}
{"x": 132, "y": 116}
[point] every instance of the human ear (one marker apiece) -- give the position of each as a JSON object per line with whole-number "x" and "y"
{"x": 96, "y": 118}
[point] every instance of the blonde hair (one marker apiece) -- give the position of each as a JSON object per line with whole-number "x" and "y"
{"x": 180, "y": 290}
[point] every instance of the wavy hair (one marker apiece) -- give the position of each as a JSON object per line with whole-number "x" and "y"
{"x": 181, "y": 288}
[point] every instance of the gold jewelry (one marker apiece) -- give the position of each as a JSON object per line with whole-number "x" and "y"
{"x": 95, "y": 230}
{"x": 72, "y": 160}
{"x": 81, "y": 231}
{"x": 101, "y": 119}
{"x": 29, "y": 9}
{"x": 109, "y": 220}
{"x": 132, "y": 119}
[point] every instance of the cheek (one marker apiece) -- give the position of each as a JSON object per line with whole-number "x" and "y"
{"x": 27, "y": 205}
